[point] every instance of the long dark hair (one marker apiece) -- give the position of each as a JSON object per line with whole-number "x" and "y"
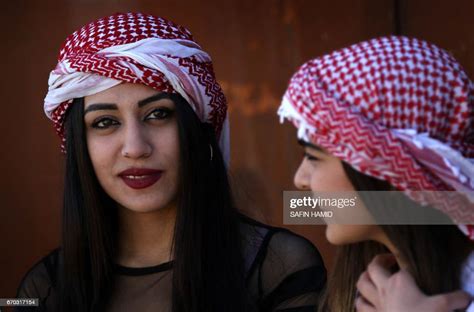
{"x": 208, "y": 270}
{"x": 422, "y": 247}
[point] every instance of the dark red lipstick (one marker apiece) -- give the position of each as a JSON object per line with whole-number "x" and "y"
{"x": 139, "y": 178}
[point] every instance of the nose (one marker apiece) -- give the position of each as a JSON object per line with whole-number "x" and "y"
{"x": 302, "y": 178}
{"x": 136, "y": 143}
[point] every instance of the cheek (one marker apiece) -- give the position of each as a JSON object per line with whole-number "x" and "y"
{"x": 168, "y": 155}
{"x": 167, "y": 147}
{"x": 329, "y": 176}
{"x": 102, "y": 152}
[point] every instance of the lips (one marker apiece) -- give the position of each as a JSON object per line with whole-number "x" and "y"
{"x": 139, "y": 178}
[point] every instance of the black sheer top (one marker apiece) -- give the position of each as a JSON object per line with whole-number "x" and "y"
{"x": 285, "y": 273}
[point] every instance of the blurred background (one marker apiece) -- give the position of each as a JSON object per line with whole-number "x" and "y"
{"x": 256, "y": 46}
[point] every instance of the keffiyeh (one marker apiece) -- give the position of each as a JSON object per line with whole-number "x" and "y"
{"x": 136, "y": 48}
{"x": 397, "y": 109}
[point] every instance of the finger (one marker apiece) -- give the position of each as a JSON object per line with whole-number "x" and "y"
{"x": 367, "y": 289}
{"x": 403, "y": 277}
{"x": 385, "y": 260}
{"x": 378, "y": 269}
{"x": 363, "y": 305}
{"x": 455, "y": 300}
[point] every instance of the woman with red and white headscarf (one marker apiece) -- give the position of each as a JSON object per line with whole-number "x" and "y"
{"x": 390, "y": 114}
{"x": 148, "y": 218}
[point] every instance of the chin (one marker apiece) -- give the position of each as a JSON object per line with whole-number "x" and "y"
{"x": 142, "y": 209}
{"x": 333, "y": 236}
{"x": 342, "y": 234}
{"x": 147, "y": 206}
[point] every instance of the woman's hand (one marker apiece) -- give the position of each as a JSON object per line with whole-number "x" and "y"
{"x": 385, "y": 292}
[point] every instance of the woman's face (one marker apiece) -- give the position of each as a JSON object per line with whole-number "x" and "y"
{"x": 321, "y": 172}
{"x": 132, "y": 138}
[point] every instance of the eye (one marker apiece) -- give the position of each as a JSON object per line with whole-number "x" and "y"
{"x": 160, "y": 113}
{"x": 310, "y": 157}
{"x": 104, "y": 123}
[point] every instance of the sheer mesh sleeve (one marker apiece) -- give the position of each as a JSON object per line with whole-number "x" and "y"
{"x": 38, "y": 283}
{"x": 289, "y": 273}
{"x": 284, "y": 272}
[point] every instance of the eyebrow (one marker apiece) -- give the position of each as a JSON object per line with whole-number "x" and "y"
{"x": 311, "y": 145}
{"x": 141, "y": 103}
{"x": 153, "y": 98}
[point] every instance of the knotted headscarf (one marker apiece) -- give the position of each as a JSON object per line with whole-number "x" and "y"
{"x": 394, "y": 108}
{"x": 136, "y": 48}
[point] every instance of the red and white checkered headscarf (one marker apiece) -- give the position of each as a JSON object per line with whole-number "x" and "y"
{"x": 397, "y": 109}
{"x": 136, "y": 48}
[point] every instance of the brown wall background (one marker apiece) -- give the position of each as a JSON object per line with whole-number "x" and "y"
{"x": 255, "y": 45}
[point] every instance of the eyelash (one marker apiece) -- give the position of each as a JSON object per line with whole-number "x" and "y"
{"x": 310, "y": 157}
{"x": 167, "y": 113}
{"x": 98, "y": 124}
{"x": 109, "y": 122}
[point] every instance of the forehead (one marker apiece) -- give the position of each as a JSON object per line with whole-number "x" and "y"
{"x": 122, "y": 93}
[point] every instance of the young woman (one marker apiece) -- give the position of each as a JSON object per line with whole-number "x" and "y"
{"x": 390, "y": 114}
{"x": 148, "y": 218}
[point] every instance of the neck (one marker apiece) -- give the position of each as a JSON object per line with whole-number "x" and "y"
{"x": 145, "y": 238}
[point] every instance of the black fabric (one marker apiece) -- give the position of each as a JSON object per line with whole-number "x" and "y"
{"x": 285, "y": 273}
{"x": 299, "y": 283}
{"x": 121, "y": 270}
{"x": 39, "y": 282}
